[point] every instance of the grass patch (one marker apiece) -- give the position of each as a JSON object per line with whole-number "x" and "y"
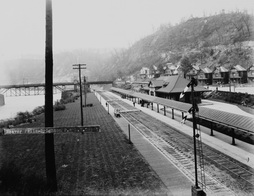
{"x": 87, "y": 164}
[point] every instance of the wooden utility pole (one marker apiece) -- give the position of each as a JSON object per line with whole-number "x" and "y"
{"x": 49, "y": 120}
{"x": 85, "y": 89}
{"x": 79, "y": 67}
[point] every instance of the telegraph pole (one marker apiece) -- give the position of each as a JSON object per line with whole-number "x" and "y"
{"x": 79, "y": 67}
{"x": 85, "y": 89}
{"x": 49, "y": 121}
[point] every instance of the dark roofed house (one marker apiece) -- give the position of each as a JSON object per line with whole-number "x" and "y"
{"x": 240, "y": 73}
{"x": 234, "y": 76}
{"x": 220, "y": 75}
{"x": 251, "y": 74}
{"x": 193, "y": 72}
{"x": 205, "y": 76}
{"x": 175, "y": 86}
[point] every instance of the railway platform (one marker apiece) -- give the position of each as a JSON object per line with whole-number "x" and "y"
{"x": 176, "y": 182}
{"x": 242, "y": 151}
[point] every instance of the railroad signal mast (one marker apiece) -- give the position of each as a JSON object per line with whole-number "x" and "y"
{"x": 196, "y": 190}
{"x": 79, "y": 67}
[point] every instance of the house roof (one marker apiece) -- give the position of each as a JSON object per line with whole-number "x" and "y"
{"x": 141, "y": 81}
{"x": 156, "y": 83}
{"x": 206, "y": 70}
{"x": 176, "y": 84}
{"x": 239, "y": 68}
{"x": 251, "y": 68}
{"x": 165, "y": 78}
{"x": 172, "y": 67}
{"x": 196, "y": 67}
{"x": 223, "y": 69}
{"x": 220, "y": 69}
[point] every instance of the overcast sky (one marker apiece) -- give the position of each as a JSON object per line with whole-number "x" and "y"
{"x": 95, "y": 23}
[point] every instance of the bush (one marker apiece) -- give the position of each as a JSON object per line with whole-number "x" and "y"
{"x": 59, "y": 106}
{"x": 38, "y": 110}
{"x": 68, "y": 97}
{"x": 22, "y": 117}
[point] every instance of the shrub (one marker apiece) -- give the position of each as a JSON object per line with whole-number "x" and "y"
{"x": 23, "y": 116}
{"x": 59, "y": 106}
{"x": 38, "y": 110}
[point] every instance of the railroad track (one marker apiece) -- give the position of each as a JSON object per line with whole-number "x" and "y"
{"x": 175, "y": 154}
{"x": 242, "y": 174}
{"x": 224, "y": 175}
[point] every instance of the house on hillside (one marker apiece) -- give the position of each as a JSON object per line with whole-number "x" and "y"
{"x": 170, "y": 69}
{"x": 220, "y": 75}
{"x": 141, "y": 85}
{"x": 251, "y": 74}
{"x": 155, "y": 73}
{"x": 174, "y": 86}
{"x": 238, "y": 75}
{"x": 234, "y": 76}
{"x": 193, "y": 73}
{"x": 204, "y": 76}
{"x": 144, "y": 73}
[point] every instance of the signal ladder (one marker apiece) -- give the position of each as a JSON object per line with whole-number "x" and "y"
{"x": 201, "y": 158}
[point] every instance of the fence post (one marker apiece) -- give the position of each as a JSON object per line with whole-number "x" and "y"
{"x": 211, "y": 134}
{"x": 233, "y": 136}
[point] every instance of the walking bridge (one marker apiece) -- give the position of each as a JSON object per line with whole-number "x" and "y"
{"x": 39, "y": 88}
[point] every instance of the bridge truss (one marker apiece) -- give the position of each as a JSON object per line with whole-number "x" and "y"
{"x": 39, "y": 88}
{"x": 29, "y": 90}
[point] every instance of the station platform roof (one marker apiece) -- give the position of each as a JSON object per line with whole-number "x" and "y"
{"x": 232, "y": 120}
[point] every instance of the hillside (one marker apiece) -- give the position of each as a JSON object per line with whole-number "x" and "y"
{"x": 224, "y": 39}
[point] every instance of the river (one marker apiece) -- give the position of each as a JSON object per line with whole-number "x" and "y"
{"x": 13, "y": 105}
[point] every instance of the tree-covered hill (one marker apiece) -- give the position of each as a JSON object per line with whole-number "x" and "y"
{"x": 222, "y": 39}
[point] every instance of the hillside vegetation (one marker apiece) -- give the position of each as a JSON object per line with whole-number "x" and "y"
{"x": 224, "y": 39}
